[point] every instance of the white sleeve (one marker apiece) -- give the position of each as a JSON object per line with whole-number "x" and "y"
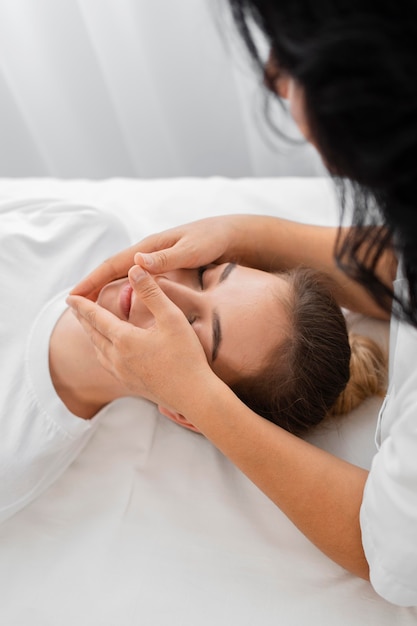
{"x": 44, "y": 248}
{"x": 389, "y": 508}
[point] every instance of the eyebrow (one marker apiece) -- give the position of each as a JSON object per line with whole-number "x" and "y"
{"x": 217, "y": 331}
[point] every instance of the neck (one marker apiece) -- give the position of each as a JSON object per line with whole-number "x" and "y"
{"x": 83, "y": 385}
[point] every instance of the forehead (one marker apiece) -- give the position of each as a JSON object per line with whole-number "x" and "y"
{"x": 255, "y": 322}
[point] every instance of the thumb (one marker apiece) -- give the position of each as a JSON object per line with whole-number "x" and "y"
{"x": 161, "y": 260}
{"x": 146, "y": 288}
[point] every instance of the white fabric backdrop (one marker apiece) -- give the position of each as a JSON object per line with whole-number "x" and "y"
{"x": 143, "y": 88}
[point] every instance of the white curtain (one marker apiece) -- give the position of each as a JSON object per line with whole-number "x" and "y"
{"x": 143, "y": 88}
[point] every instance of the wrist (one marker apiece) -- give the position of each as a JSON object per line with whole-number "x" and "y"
{"x": 216, "y": 411}
{"x": 241, "y": 242}
{"x": 199, "y": 394}
{"x": 251, "y": 241}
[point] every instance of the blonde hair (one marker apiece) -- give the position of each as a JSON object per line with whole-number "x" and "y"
{"x": 368, "y": 374}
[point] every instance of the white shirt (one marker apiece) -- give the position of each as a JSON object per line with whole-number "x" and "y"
{"x": 389, "y": 508}
{"x": 45, "y": 247}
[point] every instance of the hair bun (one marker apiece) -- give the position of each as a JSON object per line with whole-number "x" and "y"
{"x": 368, "y": 374}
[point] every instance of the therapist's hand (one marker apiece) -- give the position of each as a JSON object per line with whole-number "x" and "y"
{"x": 192, "y": 245}
{"x": 161, "y": 363}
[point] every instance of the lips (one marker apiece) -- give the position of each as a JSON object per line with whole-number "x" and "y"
{"x": 126, "y": 300}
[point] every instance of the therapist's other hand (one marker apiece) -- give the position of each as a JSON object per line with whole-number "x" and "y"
{"x": 161, "y": 363}
{"x": 199, "y": 243}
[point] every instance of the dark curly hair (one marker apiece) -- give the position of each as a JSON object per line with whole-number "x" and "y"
{"x": 356, "y": 63}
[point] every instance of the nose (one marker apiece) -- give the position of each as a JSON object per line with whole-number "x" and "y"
{"x": 185, "y": 296}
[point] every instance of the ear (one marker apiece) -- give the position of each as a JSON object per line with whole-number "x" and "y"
{"x": 276, "y": 79}
{"x": 177, "y": 418}
{"x": 282, "y": 86}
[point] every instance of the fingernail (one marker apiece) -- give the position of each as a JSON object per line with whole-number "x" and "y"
{"x": 147, "y": 259}
{"x": 136, "y": 273}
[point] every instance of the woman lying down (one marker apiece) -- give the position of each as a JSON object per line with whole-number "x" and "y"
{"x": 288, "y": 357}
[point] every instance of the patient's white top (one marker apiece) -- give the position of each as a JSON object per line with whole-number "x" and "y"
{"x": 389, "y": 508}
{"x": 45, "y": 247}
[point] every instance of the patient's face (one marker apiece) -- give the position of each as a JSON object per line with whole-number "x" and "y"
{"x": 236, "y": 312}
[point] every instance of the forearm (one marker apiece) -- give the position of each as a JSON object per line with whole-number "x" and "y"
{"x": 275, "y": 244}
{"x": 320, "y": 493}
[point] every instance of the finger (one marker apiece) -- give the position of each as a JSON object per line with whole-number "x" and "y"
{"x": 103, "y": 346}
{"x": 101, "y": 343}
{"x": 178, "y": 256}
{"x": 152, "y": 295}
{"x": 112, "y": 268}
{"x": 103, "y": 327}
{"x": 163, "y": 260}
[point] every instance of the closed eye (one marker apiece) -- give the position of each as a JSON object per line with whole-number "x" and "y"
{"x": 200, "y": 272}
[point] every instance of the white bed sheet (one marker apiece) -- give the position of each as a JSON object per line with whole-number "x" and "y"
{"x": 151, "y": 525}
